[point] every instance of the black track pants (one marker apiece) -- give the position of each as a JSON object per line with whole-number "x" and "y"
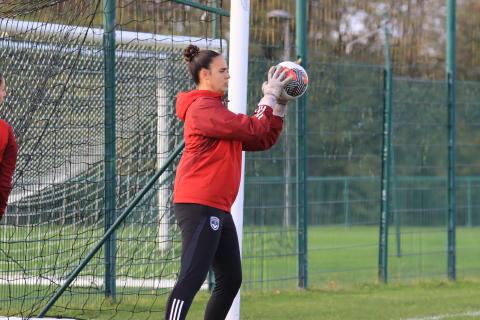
{"x": 209, "y": 238}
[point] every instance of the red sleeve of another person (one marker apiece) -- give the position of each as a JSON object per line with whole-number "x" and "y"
{"x": 7, "y": 167}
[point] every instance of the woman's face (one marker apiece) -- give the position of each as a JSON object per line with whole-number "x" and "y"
{"x": 216, "y": 78}
{"x": 3, "y": 90}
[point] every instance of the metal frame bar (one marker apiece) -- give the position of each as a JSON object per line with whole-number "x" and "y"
{"x": 203, "y": 7}
{"x": 451, "y": 67}
{"x": 112, "y": 228}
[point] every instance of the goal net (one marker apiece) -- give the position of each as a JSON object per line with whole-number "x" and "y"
{"x": 53, "y": 59}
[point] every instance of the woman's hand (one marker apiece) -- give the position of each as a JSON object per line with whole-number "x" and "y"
{"x": 276, "y": 81}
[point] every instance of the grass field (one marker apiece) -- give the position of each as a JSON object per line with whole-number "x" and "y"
{"x": 346, "y": 256}
{"x": 361, "y": 302}
{"x": 420, "y": 301}
{"x": 342, "y": 276}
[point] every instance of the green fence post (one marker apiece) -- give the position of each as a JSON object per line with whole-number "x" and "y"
{"x": 215, "y": 24}
{"x": 302, "y": 204}
{"x": 386, "y": 162}
{"x": 110, "y": 150}
{"x": 397, "y": 216}
{"x": 469, "y": 201}
{"x": 346, "y": 197}
{"x": 451, "y": 91}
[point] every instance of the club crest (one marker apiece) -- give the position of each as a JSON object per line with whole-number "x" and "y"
{"x": 214, "y": 223}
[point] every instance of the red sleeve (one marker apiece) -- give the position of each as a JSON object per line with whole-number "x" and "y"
{"x": 7, "y": 167}
{"x": 268, "y": 140}
{"x": 213, "y": 120}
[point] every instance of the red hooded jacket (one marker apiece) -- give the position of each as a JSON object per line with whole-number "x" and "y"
{"x": 210, "y": 168}
{"x": 8, "y": 160}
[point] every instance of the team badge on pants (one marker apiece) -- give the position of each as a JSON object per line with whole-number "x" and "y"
{"x": 214, "y": 223}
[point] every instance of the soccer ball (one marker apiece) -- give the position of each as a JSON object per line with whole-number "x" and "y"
{"x": 298, "y": 86}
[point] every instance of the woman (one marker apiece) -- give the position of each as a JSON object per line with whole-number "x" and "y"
{"x": 8, "y": 154}
{"x": 208, "y": 178}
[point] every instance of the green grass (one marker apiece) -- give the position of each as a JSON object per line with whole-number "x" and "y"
{"x": 48, "y": 249}
{"x": 362, "y": 302}
{"x": 346, "y": 256}
{"x": 358, "y": 302}
{"x": 342, "y": 265}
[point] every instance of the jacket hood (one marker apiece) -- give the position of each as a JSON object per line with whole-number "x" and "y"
{"x": 185, "y": 100}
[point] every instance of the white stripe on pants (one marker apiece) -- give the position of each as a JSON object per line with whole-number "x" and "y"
{"x": 176, "y": 309}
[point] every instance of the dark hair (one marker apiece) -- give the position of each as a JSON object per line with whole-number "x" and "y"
{"x": 2, "y": 78}
{"x": 198, "y": 59}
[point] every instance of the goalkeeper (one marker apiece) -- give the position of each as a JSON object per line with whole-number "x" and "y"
{"x": 8, "y": 154}
{"x": 208, "y": 178}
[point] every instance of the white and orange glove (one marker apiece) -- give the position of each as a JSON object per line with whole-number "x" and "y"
{"x": 273, "y": 88}
{"x": 279, "y": 109}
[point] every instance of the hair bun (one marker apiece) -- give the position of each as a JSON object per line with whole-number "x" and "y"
{"x": 190, "y": 52}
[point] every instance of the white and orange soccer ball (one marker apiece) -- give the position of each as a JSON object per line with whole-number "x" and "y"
{"x": 298, "y": 86}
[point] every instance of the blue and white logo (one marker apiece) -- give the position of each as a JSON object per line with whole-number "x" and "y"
{"x": 214, "y": 223}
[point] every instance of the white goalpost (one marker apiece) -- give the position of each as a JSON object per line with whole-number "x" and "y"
{"x": 237, "y": 94}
